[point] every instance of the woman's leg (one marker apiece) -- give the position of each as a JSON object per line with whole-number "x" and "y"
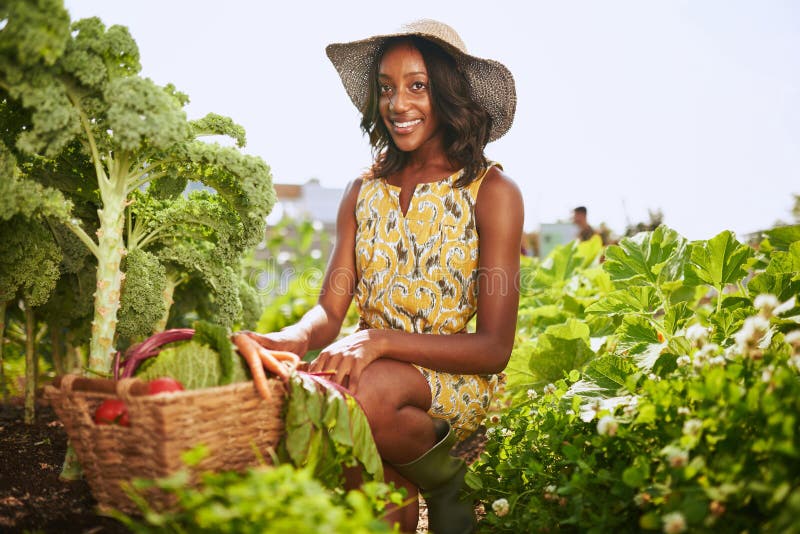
{"x": 396, "y": 399}
{"x": 408, "y": 515}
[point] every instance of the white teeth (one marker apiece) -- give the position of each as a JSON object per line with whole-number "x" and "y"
{"x": 407, "y": 124}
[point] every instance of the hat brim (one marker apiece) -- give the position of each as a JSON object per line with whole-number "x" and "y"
{"x": 491, "y": 83}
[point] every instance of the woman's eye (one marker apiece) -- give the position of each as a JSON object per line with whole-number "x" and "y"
{"x": 418, "y": 86}
{"x": 384, "y": 89}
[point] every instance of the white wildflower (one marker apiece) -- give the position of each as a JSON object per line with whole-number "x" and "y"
{"x": 692, "y": 427}
{"x": 683, "y": 361}
{"x": 753, "y": 329}
{"x": 683, "y": 410}
{"x": 532, "y": 394}
{"x": 794, "y": 362}
{"x": 786, "y": 306}
{"x": 766, "y": 374}
{"x": 491, "y": 431}
{"x": 709, "y": 349}
{"x": 506, "y": 432}
{"x": 550, "y": 389}
{"x": 654, "y": 377}
{"x": 697, "y": 334}
{"x": 674, "y": 523}
{"x": 675, "y": 456}
{"x": 500, "y": 507}
{"x": 700, "y": 360}
{"x": 717, "y": 361}
{"x": 632, "y": 406}
{"x": 607, "y": 425}
{"x": 552, "y": 488}
{"x": 766, "y": 304}
{"x": 793, "y": 339}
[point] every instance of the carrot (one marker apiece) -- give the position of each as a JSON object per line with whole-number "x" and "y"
{"x": 248, "y": 349}
{"x": 273, "y": 365}
{"x": 285, "y": 356}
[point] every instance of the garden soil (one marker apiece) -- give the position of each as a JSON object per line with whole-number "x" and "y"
{"x": 34, "y": 499}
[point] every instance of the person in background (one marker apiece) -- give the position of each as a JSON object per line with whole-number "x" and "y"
{"x": 585, "y": 231}
{"x": 428, "y": 238}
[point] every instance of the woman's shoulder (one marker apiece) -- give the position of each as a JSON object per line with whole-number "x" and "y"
{"x": 498, "y": 193}
{"x": 496, "y": 182}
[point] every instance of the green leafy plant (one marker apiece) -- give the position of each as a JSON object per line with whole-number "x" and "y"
{"x": 85, "y": 126}
{"x": 264, "y": 499}
{"x": 684, "y": 420}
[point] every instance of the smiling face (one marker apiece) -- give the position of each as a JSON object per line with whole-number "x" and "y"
{"x": 405, "y": 103}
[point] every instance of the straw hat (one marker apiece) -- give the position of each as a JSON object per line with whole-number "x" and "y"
{"x": 491, "y": 83}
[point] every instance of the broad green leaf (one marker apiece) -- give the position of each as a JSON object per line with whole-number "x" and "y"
{"x": 717, "y": 262}
{"x": 560, "y": 349}
{"x": 782, "y": 285}
{"x": 648, "y": 258}
{"x": 519, "y": 377}
{"x": 647, "y": 357}
{"x": 727, "y": 321}
{"x": 785, "y": 262}
{"x": 541, "y": 316}
{"x": 635, "y": 299}
{"x": 782, "y": 237}
{"x": 636, "y": 334}
{"x": 676, "y": 316}
{"x": 603, "y": 377}
{"x": 563, "y": 261}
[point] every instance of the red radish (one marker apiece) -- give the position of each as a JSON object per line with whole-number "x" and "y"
{"x": 112, "y": 412}
{"x": 163, "y": 385}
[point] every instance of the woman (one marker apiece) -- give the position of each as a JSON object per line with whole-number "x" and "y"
{"x": 407, "y": 248}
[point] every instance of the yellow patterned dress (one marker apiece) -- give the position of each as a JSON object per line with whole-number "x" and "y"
{"x": 418, "y": 273}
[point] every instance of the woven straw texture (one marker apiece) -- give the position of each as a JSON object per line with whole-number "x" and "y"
{"x": 230, "y": 420}
{"x": 491, "y": 83}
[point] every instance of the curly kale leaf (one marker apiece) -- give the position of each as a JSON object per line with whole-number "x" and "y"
{"x": 35, "y": 32}
{"x": 141, "y": 112}
{"x": 142, "y": 302}
{"x": 29, "y": 260}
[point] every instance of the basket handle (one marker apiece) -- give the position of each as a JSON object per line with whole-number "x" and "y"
{"x": 72, "y": 382}
{"x": 151, "y": 346}
{"x": 125, "y": 388}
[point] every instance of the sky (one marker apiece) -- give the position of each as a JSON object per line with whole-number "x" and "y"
{"x": 687, "y": 107}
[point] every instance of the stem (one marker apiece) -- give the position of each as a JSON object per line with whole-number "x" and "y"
{"x": 3, "y": 385}
{"x": 30, "y": 365}
{"x": 57, "y": 350}
{"x": 102, "y": 179}
{"x": 138, "y": 176}
{"x": 147, "y": 178}
{"x": 84, "y": 237}
{"x": 111, "y": 250}
{"x": 71, "y": 469}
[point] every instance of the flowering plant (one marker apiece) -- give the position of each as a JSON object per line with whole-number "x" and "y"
{"x": 683, "y": 419}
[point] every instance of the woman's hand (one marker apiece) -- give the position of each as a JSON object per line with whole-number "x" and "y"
{"x": 349, "y": 357}
{"x": 291, "y": 339}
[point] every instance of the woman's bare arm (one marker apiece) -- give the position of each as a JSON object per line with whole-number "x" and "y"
{"x": 321, "y": 324}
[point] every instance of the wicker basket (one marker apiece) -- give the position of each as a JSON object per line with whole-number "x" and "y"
{"x": 232, "y": 421}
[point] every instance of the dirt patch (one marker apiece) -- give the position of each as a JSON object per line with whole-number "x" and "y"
{"x": 32, "y": 497}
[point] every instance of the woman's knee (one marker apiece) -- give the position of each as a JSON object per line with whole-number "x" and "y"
{"x": 386, "y": 386}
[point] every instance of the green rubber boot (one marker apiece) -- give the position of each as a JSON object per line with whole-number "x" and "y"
{"x": 441, "y": 479}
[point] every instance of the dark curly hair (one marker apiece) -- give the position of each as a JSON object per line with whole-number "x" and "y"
{"x": 466, "y": 125}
